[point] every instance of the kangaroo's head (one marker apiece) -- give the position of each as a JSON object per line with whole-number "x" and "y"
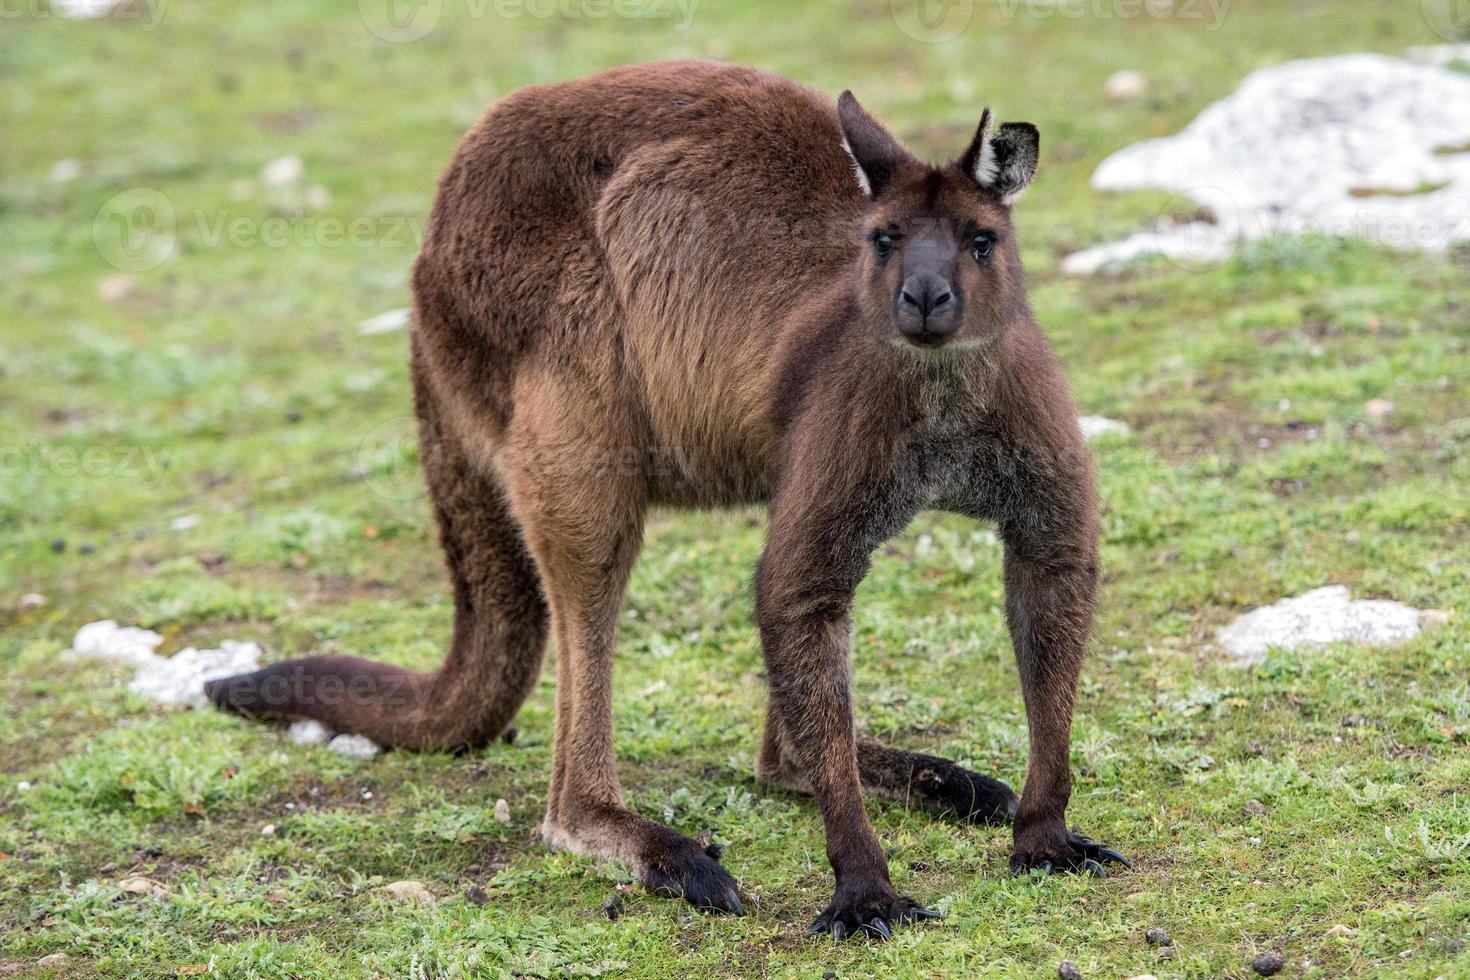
{"x": 938, "y": 264}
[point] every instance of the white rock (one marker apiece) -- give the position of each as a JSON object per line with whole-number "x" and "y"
{"x": 53, "y": 959}
{"x": 23, "y": 786}
{"x": 308, "y": 733}
{"x": 105, "y": 640}
{"x": 184, "y": 522}
{"x": 1440, "y": 54}
{"x": 115, "y": 288}
{"x": 269, "y": 830}
{"x": 1125, "y": 84}
{"x": 1433, "y": 619}
{"x": 412, "y": 892}
{"x": 1321, "y": 616}
{"x": 1093, "y": 426}
{"x": 354, "y": 747}
{"x": 1378, "y": 408}
{"x": 32, "y": 600}
{"x": 502, "y": 811}
{"x": 283, "y": 171}
{"x": 1336, "y": 146}
{"x": 144, "y": 886}
{"x": 176, "y": 680}
{"x": 180, "y": 679}
{"x": 63, "y": 171}
{"x": 85, "y": 9}
{"x": 386, "y": 322}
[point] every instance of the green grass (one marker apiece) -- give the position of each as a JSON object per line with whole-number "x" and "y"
{"x": 232, "y": 385}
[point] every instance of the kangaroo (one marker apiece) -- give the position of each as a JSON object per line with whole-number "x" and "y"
{"x": 697, "y": 284}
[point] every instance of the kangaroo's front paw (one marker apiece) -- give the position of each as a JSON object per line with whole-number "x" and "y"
{"x": 1055, "y": 849}
{"x": 870, "y": 911}
{"x": 682, "y": 869}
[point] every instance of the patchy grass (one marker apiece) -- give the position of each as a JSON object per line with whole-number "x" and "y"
{"x": 228, "y": 384}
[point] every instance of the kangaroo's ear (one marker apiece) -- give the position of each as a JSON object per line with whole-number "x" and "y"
{"x": 876, "y": 155}
{"x": 1002, "y": 162}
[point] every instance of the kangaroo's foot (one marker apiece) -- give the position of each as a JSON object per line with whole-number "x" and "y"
{"x": 871, "y": 910}
{"x": 666, "y": 862}
{"x": 1050, "y": 847}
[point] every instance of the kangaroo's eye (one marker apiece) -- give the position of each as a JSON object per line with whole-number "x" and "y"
{"x": 982, "y": 245}
{"x": 882, "y": 244}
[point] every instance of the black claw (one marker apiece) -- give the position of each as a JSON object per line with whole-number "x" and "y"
{"x": 1108, "y": 854}
{"x": 1094, "y": 868}
{"x": 881, "y": 928}
{"x": 1046, "y": 868}
{"x": 732, "y": 902}
{"x": 839, "y": 931}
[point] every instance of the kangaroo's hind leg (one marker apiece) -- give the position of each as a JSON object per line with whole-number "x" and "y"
{"x": 582, "y": 506}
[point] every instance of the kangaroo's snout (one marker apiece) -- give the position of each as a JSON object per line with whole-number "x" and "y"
{"x": 926, "y": 309}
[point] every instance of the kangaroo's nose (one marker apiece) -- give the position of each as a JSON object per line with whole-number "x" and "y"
{"x": 925, "y": 303}
{"x": 924, "y": 295}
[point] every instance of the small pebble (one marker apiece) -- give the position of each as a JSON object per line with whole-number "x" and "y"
{"x": 1255, "y": 808}
{"x": 476, "y": 895}
{"x": 1268, "y": 964}
{"x": 32, "y": 600}
{"x": 1378, "y": 408}
{"x": 58, "y": 545}
{"x": 107, "y": 868}
{"x": 410, "y": 892}
{"x": 1341, "y": 930}
{"x": 268, "y": 830}
{"x": 1430, "y": 619}
{"x": 54, "y": 959}
{"x": 502, "y": 811}
{"x": 1068, "y": 971}
{"x": 472, "y": 869}
{"x": 1125, "y": 84}
{"x": 152, "y": 851}
{"x": 1158, "y": 937}
{"x": 613, "y": 907}
{"x": 23, "y": 786}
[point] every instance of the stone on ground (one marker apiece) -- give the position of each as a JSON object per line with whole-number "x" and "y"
{"x": 1322, "y": 616}
{"x": 1357, "y": 145}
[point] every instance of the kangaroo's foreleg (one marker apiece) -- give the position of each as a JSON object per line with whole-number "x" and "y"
{"x": 817, "y": 551}
{"x": 582, "y": 512}
{"x": 1051, "y": 589}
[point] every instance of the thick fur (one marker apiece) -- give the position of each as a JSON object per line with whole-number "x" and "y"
{"x": 658, "y": 286}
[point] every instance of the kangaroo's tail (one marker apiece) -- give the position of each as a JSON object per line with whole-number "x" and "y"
{"x": 500, "y": 627}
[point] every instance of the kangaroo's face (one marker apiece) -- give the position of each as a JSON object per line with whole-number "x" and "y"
{"x": 938, "y": 264}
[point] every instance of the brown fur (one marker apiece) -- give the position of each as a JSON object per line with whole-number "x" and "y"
{"x": 662, "y": 285}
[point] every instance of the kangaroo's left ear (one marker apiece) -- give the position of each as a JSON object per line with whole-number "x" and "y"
{"x": 1002, "y": 162}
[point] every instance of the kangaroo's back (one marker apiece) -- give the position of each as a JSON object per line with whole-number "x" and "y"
{"x": 661, "y": 232}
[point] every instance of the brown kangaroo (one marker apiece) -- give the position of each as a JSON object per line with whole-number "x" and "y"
{"x": 699, "y": 284}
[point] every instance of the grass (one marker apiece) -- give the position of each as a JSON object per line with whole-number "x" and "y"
{"x": 228, "y": 383}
